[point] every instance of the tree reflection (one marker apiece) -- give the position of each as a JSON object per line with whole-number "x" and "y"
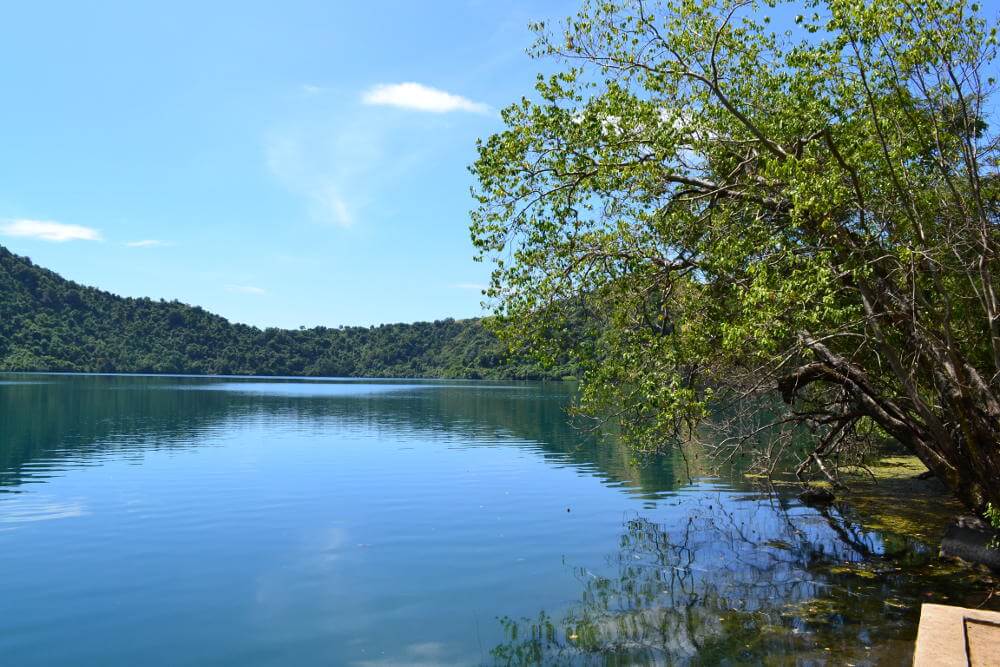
{"x": 758, "y": 580}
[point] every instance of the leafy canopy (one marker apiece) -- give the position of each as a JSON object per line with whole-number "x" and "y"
{"x": 715, "y": 198}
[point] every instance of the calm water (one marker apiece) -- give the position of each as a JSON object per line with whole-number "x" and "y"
{"x": 183, "y": 521}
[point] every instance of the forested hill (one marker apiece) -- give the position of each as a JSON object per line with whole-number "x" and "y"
{"x": 48, "y": 323}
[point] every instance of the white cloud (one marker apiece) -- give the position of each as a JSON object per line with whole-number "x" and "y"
{"x": 328, "y": 202}
{"x": 311, "y": 89}
{"x": 346, "y": 163}
{"x": 479, "y": 287}
{"x": 246, "y": 289}
{"x": 333, "y": 168}
{"x": 418, "y": 97}
{"x": 147, "y": 243}
{"x": 46, "y": 230}
{"x": 301, "y": 164}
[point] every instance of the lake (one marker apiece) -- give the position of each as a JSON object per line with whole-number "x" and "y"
{"x": 225, "y": 521}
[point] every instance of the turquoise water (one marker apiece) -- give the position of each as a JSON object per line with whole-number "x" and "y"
{"x": 187, "y": 521}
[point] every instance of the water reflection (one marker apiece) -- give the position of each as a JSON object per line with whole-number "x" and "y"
{"x": 377, "y": 523}
{"x": 734, "y": 578}
{"x": 71, "y": 421}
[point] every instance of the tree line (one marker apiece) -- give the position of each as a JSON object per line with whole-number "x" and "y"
{"x": 48, "y": 323}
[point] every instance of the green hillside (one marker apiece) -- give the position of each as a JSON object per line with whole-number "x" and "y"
{"x": 48, "y": 323}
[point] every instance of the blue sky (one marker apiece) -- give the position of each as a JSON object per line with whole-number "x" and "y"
{"x": 259, "y": 159}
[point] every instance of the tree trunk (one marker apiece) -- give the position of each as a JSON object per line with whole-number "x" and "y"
{"x": 958, "y": 443}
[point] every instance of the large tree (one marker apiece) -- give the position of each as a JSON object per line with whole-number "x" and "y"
{"x": 717, "y": 199}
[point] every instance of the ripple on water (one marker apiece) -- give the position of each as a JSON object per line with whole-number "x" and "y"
{"x": 24, "y": 508}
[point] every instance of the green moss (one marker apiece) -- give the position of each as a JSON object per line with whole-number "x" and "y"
{"x": 894, "y": 467}
{"x": 889, "y": 497}
{"x": 856, "y": 569}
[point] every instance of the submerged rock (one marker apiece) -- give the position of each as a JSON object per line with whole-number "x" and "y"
{"x": 971, "y": 540}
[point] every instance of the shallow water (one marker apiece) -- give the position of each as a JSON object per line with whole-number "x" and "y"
{"x": 173, "y": 521}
